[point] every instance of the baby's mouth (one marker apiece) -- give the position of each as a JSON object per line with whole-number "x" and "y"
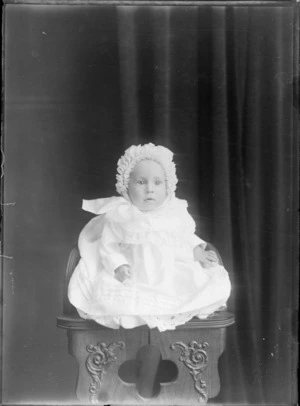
{"x": 150, "y": 199}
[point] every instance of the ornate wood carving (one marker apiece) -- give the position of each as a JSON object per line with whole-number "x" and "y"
{"x": 195, "y": 358}
{"x": 97, "y": 363}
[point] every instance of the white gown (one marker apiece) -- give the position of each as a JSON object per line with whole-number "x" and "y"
{"x": 168, "y": 287}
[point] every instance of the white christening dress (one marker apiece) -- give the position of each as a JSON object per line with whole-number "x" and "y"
{"x": 168, "y": 286}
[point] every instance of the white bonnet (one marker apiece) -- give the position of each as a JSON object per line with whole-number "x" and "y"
{"x": 137, "y": 153}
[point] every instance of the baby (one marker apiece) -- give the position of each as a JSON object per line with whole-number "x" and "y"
{"x": 141, "y": 262}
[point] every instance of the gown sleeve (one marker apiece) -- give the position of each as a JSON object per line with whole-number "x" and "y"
{"x": 195, "y": 240}
{"x": 190, "y": 226}
{"x": 110, "y": 251}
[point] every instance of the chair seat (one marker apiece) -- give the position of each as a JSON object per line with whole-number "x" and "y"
{"x": 216, "y": 320}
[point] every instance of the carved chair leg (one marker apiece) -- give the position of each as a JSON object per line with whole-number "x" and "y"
{"x": 195, "y": 358}
{"x": 99, "y": 354}
{"x": 97, "y": 364}
{"x": 196, "y": 355}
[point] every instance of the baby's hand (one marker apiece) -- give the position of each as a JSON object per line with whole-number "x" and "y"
{"x": 123, "y": 273}
{"x": 207, "y": 258}
{"x": 210, "y": 260}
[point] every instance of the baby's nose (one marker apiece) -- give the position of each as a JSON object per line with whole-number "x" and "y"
{"x": 150, "y": 187}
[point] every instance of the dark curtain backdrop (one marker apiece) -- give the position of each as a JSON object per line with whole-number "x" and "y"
{"x": 215, "y": 85}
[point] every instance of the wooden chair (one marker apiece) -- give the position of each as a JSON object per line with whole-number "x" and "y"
{"x": 141, "y": 365}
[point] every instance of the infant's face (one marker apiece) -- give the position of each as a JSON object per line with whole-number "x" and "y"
{"x": 147, "y": 185}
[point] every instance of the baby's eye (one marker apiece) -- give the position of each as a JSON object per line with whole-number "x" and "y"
{"x": 140, "y": 182}
{"x": 158, "y": 182}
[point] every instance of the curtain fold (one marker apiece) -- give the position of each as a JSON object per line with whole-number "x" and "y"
{"x": 128, "y": 73}
{"x": 214, "y": 84}
{"x": 162, "y": 69}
